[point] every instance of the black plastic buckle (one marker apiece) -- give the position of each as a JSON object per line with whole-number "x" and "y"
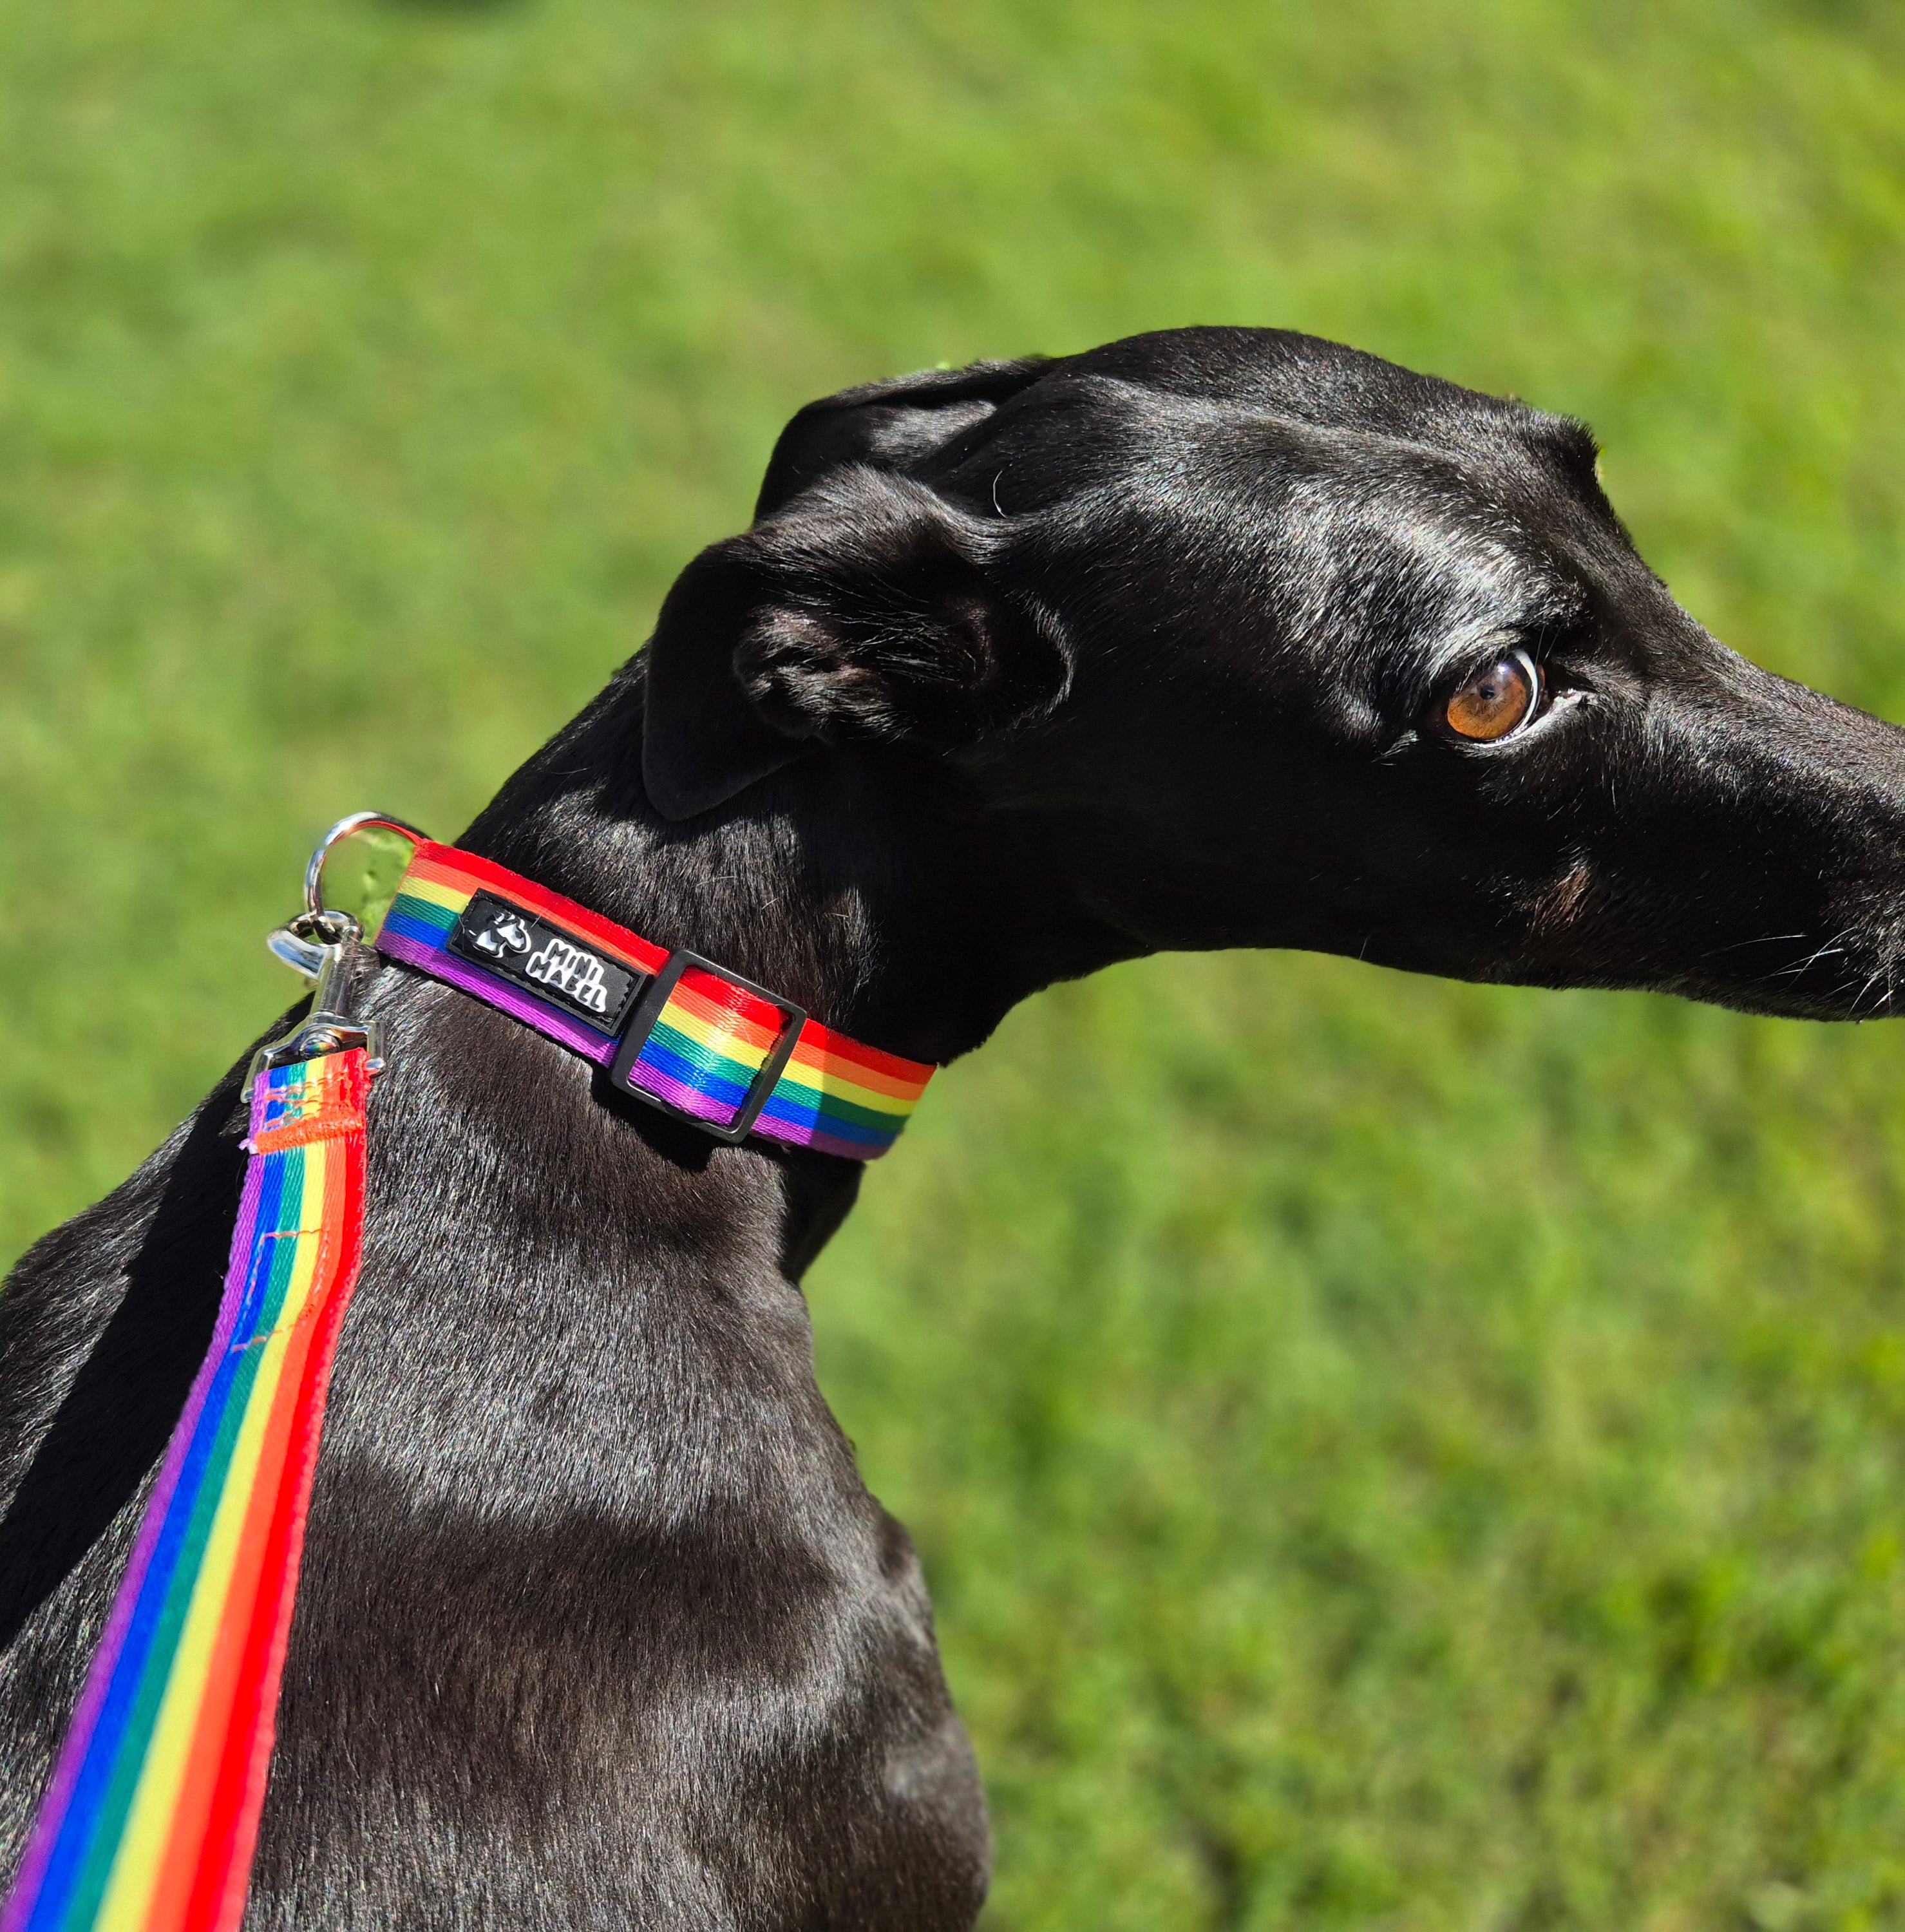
{"x": 648, "y": 1009}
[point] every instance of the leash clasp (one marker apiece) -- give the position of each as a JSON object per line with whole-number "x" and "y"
{"x": 322, "y": 943}
{"x": 322, "y": 946}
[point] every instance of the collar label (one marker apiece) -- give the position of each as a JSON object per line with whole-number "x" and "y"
{"x": 542, "y": 958}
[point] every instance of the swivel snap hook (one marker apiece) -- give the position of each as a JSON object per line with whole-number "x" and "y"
{"x": 321, "y": 943}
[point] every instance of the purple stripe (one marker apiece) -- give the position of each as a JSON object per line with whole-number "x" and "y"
{"x": 440, "y": 964}
{"x": 99, "y": 1677}
{"x": 825, "y": 1143}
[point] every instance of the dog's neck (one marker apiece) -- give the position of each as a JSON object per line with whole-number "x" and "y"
{"x": 884, "y": 899}
{"x": 581, "y": 1276}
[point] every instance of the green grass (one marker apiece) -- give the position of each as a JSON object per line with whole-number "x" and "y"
{"x": 1388, "y": 1454}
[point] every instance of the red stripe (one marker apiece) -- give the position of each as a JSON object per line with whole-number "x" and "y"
{"x": 224, "y": 1873}
{"x": 538, "y": 898}
{"x": 181, "y": 1874}
{"x": 720, "y": 1005}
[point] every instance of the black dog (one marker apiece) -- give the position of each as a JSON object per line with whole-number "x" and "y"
{"x": 1217, "y": 637}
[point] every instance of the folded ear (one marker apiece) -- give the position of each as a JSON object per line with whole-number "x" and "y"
{"x": 865, "y": 612}
{"x": 891, "y": 425}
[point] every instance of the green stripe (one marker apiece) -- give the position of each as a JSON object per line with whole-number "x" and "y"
{"x": 284, "y": 1253}
{"x": 425, "y": 912}
{"x": 705, "y": 1056}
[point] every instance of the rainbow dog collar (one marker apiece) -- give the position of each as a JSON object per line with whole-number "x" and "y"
{"x": 673, "y": 1029}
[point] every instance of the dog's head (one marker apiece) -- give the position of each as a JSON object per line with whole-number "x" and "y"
{"x": 1236, "y": 637}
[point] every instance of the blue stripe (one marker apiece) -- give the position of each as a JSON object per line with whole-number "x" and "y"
{"x": 410, "y": 905}
{"x": 654, "y": 1055}
{"x": 790, "y": 1104}
{"x": 425, "y": 932}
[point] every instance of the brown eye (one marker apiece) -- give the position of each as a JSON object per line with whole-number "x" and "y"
{"x": 1499, "y": 698}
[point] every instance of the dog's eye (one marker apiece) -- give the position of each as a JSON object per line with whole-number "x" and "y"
{"x": 1498, "y": 699}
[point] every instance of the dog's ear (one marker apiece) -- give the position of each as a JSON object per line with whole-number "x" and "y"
{"x": 890, "y": 425}
{"x": 864, "y": 612}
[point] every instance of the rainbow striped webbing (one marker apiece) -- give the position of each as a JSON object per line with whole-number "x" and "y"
{"x": 150, "y": 1819}
{"x": 712, "y": 1038}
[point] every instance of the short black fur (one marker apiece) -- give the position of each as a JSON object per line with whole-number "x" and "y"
{"x": 1022, "y": 670}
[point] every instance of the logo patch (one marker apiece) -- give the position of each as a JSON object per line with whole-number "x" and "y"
{"x": 562, "y": 969}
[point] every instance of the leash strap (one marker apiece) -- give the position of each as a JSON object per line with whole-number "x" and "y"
{"x": 151, "y": 1819}
{"x": 674, "y": 1029}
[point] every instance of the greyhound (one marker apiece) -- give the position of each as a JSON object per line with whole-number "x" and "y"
{"x": 1211, "y": 638}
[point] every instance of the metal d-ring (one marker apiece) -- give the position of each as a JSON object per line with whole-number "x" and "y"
{"x": 357, "y": 821}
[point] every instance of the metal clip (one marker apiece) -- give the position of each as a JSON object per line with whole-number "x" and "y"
{"x": 321, "y": 946}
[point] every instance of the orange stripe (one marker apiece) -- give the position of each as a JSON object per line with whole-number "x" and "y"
{"x": 823, "y": 1056}
{"x": 728, "y": 1020}
{"x": 168, "y": 1909}
{"x": 326, "y": 1123}
{"x": 912, "y": 1074}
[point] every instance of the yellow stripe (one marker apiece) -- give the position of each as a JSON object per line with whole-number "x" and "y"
{"x": 696, "y": 1028}
{"x": 135, "y": 1871}
{"x": 452, "y": 899}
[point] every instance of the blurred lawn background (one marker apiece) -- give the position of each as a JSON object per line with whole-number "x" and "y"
{"x": 1386, "y": 1454}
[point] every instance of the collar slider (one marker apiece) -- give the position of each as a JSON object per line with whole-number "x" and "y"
{"x": 642, "y": 1065}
